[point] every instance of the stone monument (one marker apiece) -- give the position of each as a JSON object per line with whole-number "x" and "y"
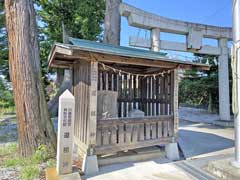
{"x": 64, "y": 140}
{"x": 107, "y": 104}
{"x": 65, "y": 133}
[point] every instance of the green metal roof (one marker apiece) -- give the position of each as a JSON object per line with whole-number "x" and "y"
{"x": 125, "y": 51}
{"x": 118, "y": 50}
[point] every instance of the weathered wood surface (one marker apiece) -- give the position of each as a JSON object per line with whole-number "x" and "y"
{"x": 81, "y": 90}
{"x": 155, "y": 96}
{"x": 92, "y": 126}
{"x": 175, "y": 103}
{"x": 130, "y": 133}
{"x": 108, "y": 149}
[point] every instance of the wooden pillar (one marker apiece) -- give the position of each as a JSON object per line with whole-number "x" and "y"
{"x": 175, "y": 104}
{"x": 92, "y": 126}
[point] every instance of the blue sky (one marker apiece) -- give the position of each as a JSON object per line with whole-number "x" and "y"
{"x": 212, "y": 12}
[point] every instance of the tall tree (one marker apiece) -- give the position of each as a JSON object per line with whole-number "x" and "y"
{"x": 112, "y": 22}
{"x": 80, "y": 18}
{"x": 3, "y": 44}
{"x": 34, "y": 124}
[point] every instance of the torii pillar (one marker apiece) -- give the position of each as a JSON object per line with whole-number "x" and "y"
{"x": 223, "y": 81}
{"x": 155, "y": 39}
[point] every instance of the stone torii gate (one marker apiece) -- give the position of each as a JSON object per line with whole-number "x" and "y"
{"x": 194, "y": 35}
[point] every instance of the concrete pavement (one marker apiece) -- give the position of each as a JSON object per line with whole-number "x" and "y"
{"x": 149, "y": 170}
{"x": 201, "y": 140}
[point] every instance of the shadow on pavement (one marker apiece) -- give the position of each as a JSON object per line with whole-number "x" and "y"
{"x": 195, "y": 143}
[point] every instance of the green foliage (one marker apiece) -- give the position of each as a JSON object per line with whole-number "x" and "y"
{"x": 3, "y": 44}
{"x": 42, "y": 154}
{"x": 6, "y": 97}
{"x": 51, "y": 163}
{"x": 30, "y": 172}
{"x": 201, "y": 88}
{"x": 195, "y": 91}
{"x": 82, "y": 18}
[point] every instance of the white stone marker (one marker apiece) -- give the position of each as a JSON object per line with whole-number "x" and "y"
{"x": 65, "y": 133}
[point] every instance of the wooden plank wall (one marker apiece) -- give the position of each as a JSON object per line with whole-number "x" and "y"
{"x": 81, "y": 89}
{"x": 152, "y": 95}
{"x": 129, "y": 133}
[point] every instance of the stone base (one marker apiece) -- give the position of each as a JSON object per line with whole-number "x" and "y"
{"x": 90, "y": 165}
{"x": 235, "y": 164}
{"x": 223, "y": 169}
{"x": 172, "y": 152}
{"x": 224, "y": 123}
{"x": 135, "y": 155}
{"x": 51, "y": 174}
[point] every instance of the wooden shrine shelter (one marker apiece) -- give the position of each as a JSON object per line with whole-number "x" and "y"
{"x": 125, "y": 98}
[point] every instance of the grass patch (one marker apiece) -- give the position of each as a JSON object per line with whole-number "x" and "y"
{"x": 14, "y": 162}
{"x": 42, "y": 154}
{"x": 29, "y": 172}
{"x": 51, "y": 163}
{"x": 29, "y": 167}
{"x": 8, "y": 149}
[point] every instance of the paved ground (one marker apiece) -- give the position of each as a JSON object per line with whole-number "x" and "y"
{"x": 197, "y": 115}
{"x": 201, "y": 139}
{"x": 200, "y": 142}
{"x": 149, "y": 170}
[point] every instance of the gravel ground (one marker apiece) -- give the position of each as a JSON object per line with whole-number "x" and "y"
{"x": 9, "y": 173}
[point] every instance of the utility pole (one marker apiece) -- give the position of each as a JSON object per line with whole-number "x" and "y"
{"x": 236, "y": 79}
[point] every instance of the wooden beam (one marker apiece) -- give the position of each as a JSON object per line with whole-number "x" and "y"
{"x": 127, "y": 146}
{"x": 117, "y": 121}
{"x": 57, "y": 48}
{"x": 149, "y": 63}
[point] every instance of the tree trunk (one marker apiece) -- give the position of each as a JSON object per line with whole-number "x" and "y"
{"x": 34, "y": 125}
{"x": 112, "y": 22}
{"x": 210, "y": 103}
{"x": 64, "y": 79}
{"x": 66, "y": 84}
